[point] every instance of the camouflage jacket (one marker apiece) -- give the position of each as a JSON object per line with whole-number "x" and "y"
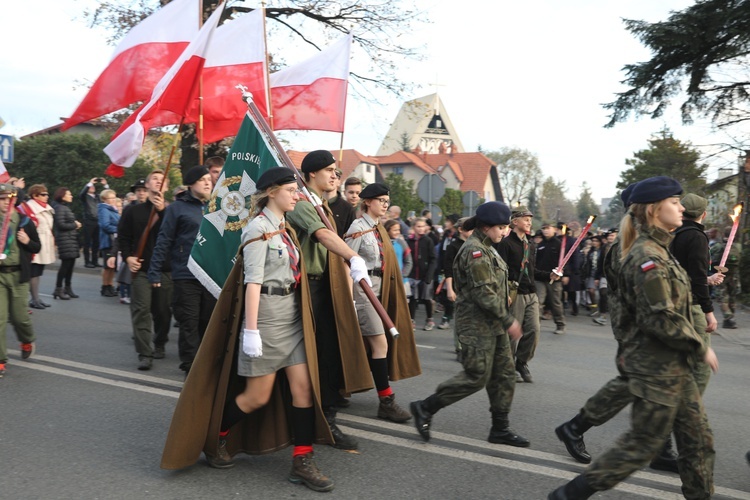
{"x": 480, "y": 278}
{"x": 656, "y": 320}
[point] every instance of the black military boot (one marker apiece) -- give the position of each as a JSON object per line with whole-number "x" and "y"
{"x": 667, "y": 458}
{"x": 340, "y": 440}
{"x": 423, "y": 411}
{"x": 571, "y": 434}
{"x": 502, "y": 434}
{"x": 577, "y": 489}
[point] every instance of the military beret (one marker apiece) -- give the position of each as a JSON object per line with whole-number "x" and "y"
{"x": 493, "y": 213}
{"x": 194, "y": 174}
{"x": 655, "y": 189}
{"x": 625, "y": 194}
{"x": 140, "y": 183}
{"x": 521, "y": 211}
{"x": 7, "y": 190}
{"x": 694, "y": 205}
{"x": 374, "y": 190}
{"x": 277, "y": 176}
{"x": 317, "y": 160}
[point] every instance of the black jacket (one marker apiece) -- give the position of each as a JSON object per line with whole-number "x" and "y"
{"x": 547, "y": 258}
{"x": 90, "y": 206}
{"x": 182, "y": 220}
{"x": 66, "y": 235}
{"x": 27, "y": 251}
{"x": 450, "y": 255}
{"x": 344, "y": 214}
{"x": 690, "y": 248}
{"x": 511, "y": 251}
{"x": 423, "y": 255}
{"x": 132, "y": 225}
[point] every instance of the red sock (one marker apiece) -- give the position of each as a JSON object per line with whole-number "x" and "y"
{"x": 223, "y": 434}
{"x": 301, "y": 450}
{"x": 385, "y": 392}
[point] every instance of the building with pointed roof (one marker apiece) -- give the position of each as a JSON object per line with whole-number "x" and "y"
{"x": 422, "y": 126}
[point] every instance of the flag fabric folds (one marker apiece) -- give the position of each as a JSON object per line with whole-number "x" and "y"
{"x": 312, "y": 95}
{"x": 4, "y": 175}
{"x": 174, "y": 93}
{"x": 228, "y": 211}
{"x": 141, "y": 59}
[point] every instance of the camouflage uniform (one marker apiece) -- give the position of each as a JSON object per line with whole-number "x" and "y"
{"x": 659, "y": 348}
{"x": 725, "y": 293}
{"x": 480, "y": 278}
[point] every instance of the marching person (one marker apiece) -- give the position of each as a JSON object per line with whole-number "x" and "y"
{"x": 660, "y": 345}
{"x": 342, "y": 360}
{"x": 485, "y": 328}
{"x": 368, "y": 238}
{"x": 549, "y": 284}
{"x": 21, "y": 242}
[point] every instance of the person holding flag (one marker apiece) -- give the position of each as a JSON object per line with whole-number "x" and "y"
{"x": 367, "y": 237}
{"x": 341, "y": 353}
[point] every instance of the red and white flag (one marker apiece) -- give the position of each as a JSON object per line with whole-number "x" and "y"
{"x": 4, "y": 175}
{"x": 140, "y": 60}
{"x": 174, "y": 93}
{"x": 312, "y": 95}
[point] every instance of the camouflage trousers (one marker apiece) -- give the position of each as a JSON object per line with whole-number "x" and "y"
{"x": 488, "y": 363}
{"x": 701, "y": 370}
{"x": 651, "y": 423}
{"x": 724, "y": 295}
{"x": 526, "y": 310}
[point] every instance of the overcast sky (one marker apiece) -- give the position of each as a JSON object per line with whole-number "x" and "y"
{"x": 520, "y": 74}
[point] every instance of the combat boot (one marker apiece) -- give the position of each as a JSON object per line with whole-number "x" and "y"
{"x": 390, "y": 410}
{"x": 305, "y": 471}
{"x": 577, "y": 489}
{"x": 502, "y": 434}
{"x": 729, "y": 324}
{"x": 222, "y": 460}
{"x": 340, "y": 440}
{"x": 571, "y": 434}
{"x": 667, "y": 459}
{"x": 423, "y": 411}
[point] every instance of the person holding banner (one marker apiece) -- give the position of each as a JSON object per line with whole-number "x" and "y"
{"x": 341, "y": 352}
{"x": 369, "y": 239}
{"x": 277, "y": 335}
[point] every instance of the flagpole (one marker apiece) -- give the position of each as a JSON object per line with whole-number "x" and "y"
{"x": 274, "y": 142}
{"x": 152, "y": 214}
{"x": 267, "y": 70}
{"x": 200, "y": 95}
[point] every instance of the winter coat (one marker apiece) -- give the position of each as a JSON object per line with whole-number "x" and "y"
{"x": 44, "y": 219}
{"x": 109, "y": 217}
{"x": 66, "y": 235}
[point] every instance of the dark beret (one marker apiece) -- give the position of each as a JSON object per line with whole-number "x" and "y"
{"x": 277, "y": 176}
{"x": 521, "y": 211}
{"x": 374, "y": 190}
{"x": 317, "y": 160}
{"x": 140, "y": 183}
{"x": 655, "y": 189}
{"x": 194, "y": 174}
{"x": 625, "y": 194}
{"x": 493, "y": 213}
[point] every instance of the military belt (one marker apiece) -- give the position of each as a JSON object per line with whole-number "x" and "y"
{"x": 277, "y": 290}
{"x": 375, "y": 272}
{"x": 9, "y": 269}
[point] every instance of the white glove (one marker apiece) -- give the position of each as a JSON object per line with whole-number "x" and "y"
{"x": 252, "y": 345}
{"x": 358, "y": 270}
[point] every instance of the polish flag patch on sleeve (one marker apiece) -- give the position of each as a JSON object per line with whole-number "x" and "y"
{"x": 647, "y": 266}
{"x": 476, "y": 254}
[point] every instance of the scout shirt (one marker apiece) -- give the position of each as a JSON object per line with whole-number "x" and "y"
{"x": 305, "y": 221}
{"x": 480, "y": 278}
{"x": 267, "y": 261}
{"x": 13, "y": 255}
{"x": 660, "y": 342}
{"x": 366, "y": 245}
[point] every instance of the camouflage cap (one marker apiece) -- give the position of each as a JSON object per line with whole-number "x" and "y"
{"x": 521, "y": 211}
{"x": 7, "y": 190}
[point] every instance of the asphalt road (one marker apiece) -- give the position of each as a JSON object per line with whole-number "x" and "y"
{"x": 79, "y": 421}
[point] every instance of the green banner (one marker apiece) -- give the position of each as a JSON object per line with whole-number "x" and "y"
{"x": 228, "y": 211}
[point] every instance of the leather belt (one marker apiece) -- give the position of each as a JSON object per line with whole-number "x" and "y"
{"x": 9, "y": 269}
{"x": 375, "y": 272}
{"x": 277, "y": 290}
{"x": 315, "y": 277}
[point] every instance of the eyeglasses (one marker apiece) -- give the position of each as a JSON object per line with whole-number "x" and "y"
{"x": 43, "y": 194}
{"x": 383, "y": 201}
{"x": 293, "y": 191}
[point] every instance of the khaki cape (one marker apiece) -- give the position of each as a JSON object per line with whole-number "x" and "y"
{"x": 213, "y": 378}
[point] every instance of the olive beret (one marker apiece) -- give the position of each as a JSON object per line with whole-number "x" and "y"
{"x": 277, "y": 176}
{"x": 655, "y": 189}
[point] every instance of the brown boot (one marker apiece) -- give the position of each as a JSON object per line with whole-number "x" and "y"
{"x": 305, "y": 471}
{"x": 390, "y": 410}
{"x": 222, "y": 460}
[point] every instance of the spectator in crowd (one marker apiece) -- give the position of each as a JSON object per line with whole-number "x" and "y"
{"x": 90, "y": 201}
{"x": 394, "y": 213}
{"x": 109, "y": 217}
{"x": 138, "y": 189}
{"x": 42, "y": 214}
{"x": 592, "y": 273}
{"x": 214, "y": 164}
{"x": 403, "y": 254}
{"x": 450, "y": 233}
{"x": 352, "y": 188}
{"x": 66, "y": 237}
{"x": 423, "y": 254}
{"x": 20, "y": 184}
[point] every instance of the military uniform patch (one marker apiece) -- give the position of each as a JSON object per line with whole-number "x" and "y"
{"x": 647, "y": 266}
{"x": 476, "y": 254}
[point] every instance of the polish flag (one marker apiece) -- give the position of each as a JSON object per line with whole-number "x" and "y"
{"x": 237, "y": 55}
{"x": 312, "y": 95}
{"x": 4, "y": 175}
{"x": 140, "y": 60}
{"x": 174, "y": 93}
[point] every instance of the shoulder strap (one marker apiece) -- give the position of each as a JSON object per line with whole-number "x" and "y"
{"x": 360, "y": 233}
{"x": 264, "y": 236}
